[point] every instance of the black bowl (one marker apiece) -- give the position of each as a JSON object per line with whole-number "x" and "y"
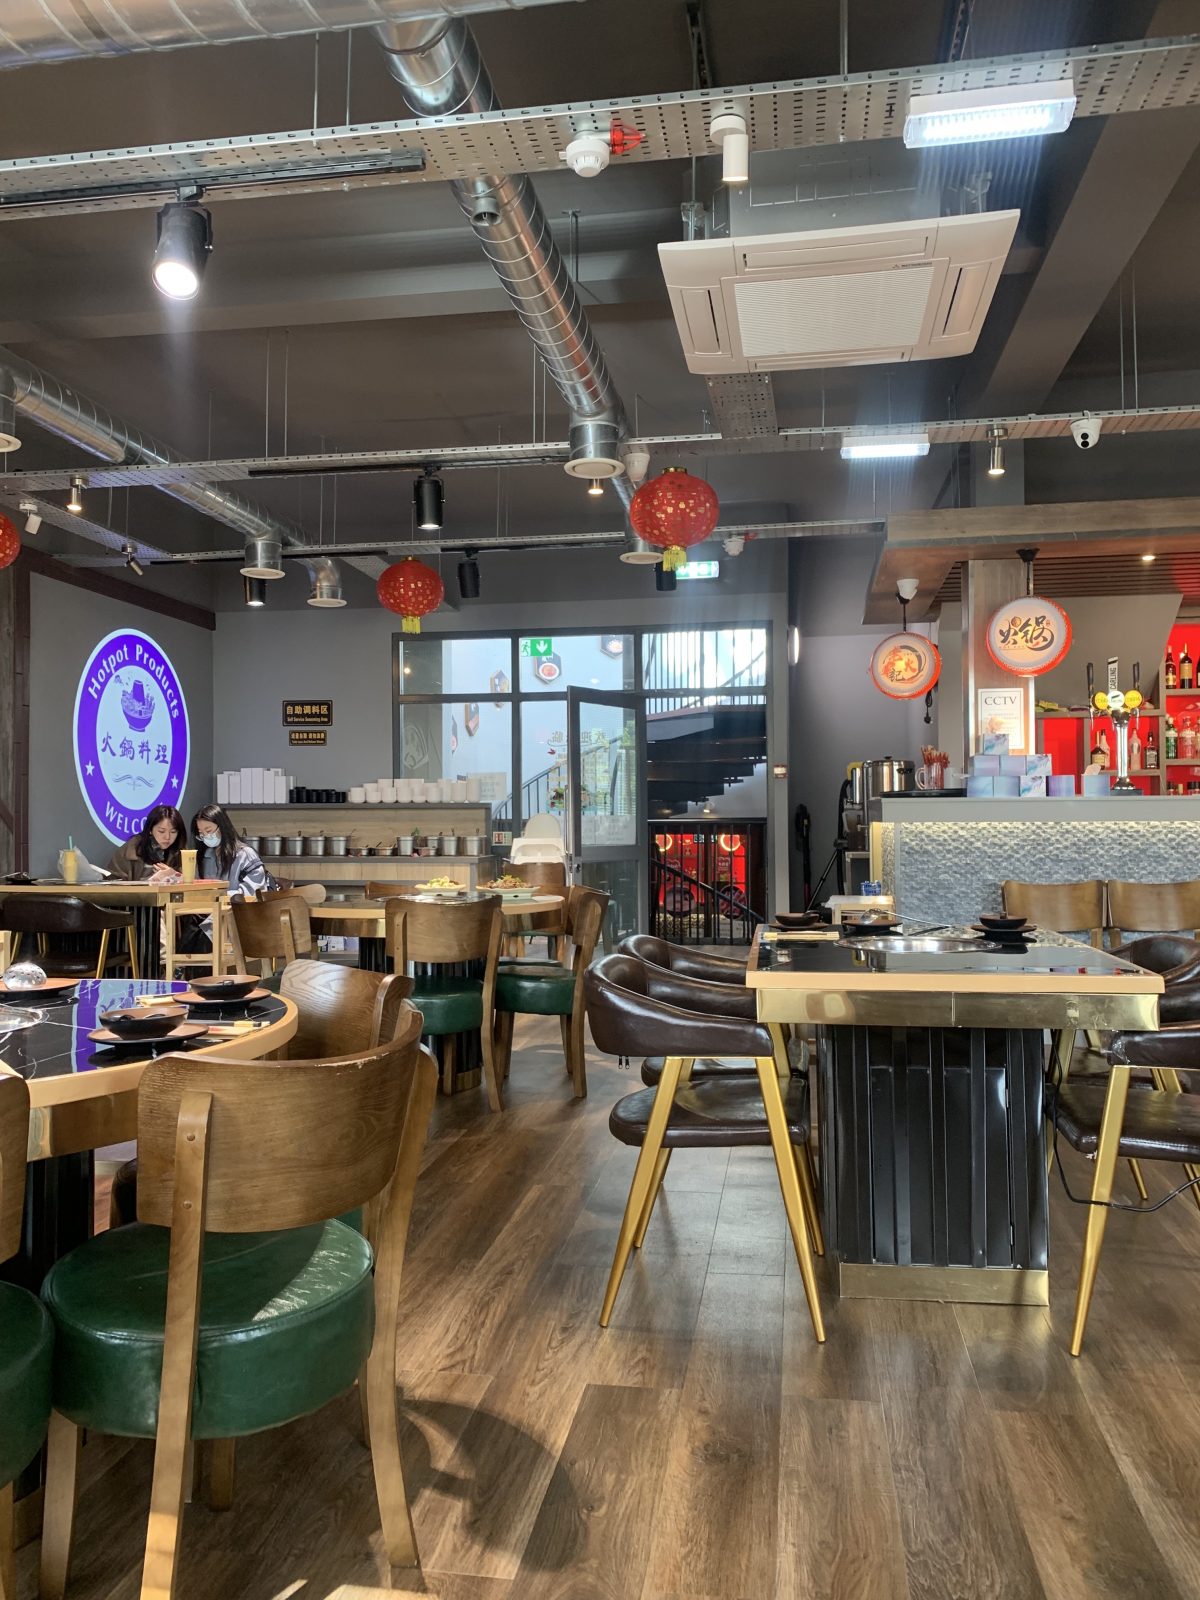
{"x": 143, "y": 1022}
{"x": 993, "y": 919}
{"x": 226, "y": 985}
{"x": 862, "y": 928}
{"x": 798, "y": 919}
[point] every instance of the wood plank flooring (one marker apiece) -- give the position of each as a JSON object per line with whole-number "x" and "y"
{"x": 704, "y": 1448}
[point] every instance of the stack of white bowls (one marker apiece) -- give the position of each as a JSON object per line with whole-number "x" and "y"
{"x": 372, "y": 794}
{"x": 357, "y": 796}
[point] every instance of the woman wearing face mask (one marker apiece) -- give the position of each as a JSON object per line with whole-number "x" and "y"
{"x": 154, "y": 853}
{"x": 223, "y": 854}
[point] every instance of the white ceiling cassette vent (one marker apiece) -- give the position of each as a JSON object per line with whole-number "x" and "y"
{"x": 836, "y": 297}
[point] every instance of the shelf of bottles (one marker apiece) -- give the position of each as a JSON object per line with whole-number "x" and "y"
{"x": 1181, "y": 709}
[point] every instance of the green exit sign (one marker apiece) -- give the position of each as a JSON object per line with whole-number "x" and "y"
{"x": 537, "y": 647}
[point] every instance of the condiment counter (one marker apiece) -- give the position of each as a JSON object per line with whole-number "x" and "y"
{"x": 371, "y": 825}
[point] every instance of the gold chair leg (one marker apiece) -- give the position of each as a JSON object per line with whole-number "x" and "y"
{"x": 789, "y": 1184}
{"x": 58, "y": 1513}
{"x": 1102, "y": 1184}
{"x": 8, "y": 1565}
{"x": 135, "y": 969}
{"x": 1135, "y": 1172}
{"x": 660, "y": 1172}
{"x": 221, "y": 1464}
{"x": 102, "y": 957}
{"x": 643, "y": 1178}
{"x": 808, "y": 1193}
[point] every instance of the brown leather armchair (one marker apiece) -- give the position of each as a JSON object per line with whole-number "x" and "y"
{"x": 1177, "y": 959}
{"x": 683, "y": 960}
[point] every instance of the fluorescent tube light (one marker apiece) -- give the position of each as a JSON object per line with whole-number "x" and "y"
{"x": 884, "y": 446}
{"x": 971, "y": 116}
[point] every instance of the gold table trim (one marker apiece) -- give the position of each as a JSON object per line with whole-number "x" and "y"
{"x": 992, "y": 1286}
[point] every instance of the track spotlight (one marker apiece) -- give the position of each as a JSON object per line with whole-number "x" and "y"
{"x": 255, "y": 591}
{"x": 428, "y": 500}
{"x": 33, "y": 519}
{"x": 184, "y": 246}
{"x": 263, "y": 559}
{"x": 595, "y": 488}
{"x": 75, "y": 503}
{"x": 132, "y": 562}
{"x": 730, "y": 132}
{"x": 664, "y": 581}
{"x": 996, "y": 438}
{"x": 468, "y": 576}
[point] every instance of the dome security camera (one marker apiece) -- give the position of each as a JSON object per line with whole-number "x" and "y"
{"x": 587, "y": 154}
{"x": 1085, "y": 431}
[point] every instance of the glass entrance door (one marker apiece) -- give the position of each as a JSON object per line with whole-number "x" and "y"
{"x": 606, "y": 802}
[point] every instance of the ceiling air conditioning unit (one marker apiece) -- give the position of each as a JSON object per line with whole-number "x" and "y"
{"x": 836, "y": 297}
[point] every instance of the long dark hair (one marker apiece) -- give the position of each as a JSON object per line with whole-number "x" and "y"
{"x": 230, "y": 838}
{"x": 146, "y": 846}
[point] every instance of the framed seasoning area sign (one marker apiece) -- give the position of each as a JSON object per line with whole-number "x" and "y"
{"x": 307, "y": 736}
{"x": 308, "y": 714}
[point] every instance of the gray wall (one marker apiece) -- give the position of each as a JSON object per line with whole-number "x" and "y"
{"x": 837, "y": 714}
{"x": 264, "y": 657}
{"x": 65, "y": 625}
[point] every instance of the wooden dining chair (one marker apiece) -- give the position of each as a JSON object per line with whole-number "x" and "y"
{"x": 550, "y": 924}
{"x": 451, "y": 933}
{"x": 554, "y": 989}
{"x": 49, "y": 919}
{"x": 236, "y": 1212}
{"x": 1059, "y": 907}
{"x": 26, "y": 1331}
{"x": 342, "y": 1009}
{"x": 273, "y": 930}
{"x": 1153, "y": 908}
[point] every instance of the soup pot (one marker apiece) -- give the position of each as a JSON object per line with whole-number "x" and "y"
{"x": 338, "y": 844}
{"x": 293, "y": 845}
{"x": 270, "y": 844}
{"x": 314, "y": 845}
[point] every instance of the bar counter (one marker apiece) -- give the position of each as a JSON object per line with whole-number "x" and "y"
{"x": 945, "y": 859}
{"x": 931, "y": 1072}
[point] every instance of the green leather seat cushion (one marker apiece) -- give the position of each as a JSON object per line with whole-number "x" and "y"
{"x": 286, "y": 1321}
{"x": 449, "y": 1005}
{"x": 26, "y": 1363}
{"x": 540, "y": 994}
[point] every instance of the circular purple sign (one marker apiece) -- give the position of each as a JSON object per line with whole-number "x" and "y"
{"x": 131, "y": 737}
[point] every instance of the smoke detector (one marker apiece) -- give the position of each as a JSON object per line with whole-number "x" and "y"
{"x": 734, "y": 544}
{"x": 637, "y": 462}
{"x": 587, "y": 155}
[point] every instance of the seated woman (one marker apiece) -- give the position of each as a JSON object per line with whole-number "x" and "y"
{"x": 222, "y": 853}
{"x": 154, "y": 853}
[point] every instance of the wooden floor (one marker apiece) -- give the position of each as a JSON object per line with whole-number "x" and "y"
{"x": 703, "y": 1448}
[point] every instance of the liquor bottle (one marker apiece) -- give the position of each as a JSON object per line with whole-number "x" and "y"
{"x": 1135, "y": 751}
{"x": 1150, "y": 753}
{"x": 1169, "y": 673}
{"x": 1187, "y": 672}
{"x": 1170, "y": 743}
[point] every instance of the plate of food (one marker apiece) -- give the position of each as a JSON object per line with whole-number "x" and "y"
{"x": 511, "y": 887}
{"x": 444, "y": 888}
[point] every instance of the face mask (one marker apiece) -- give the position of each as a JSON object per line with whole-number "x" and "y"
{"x": 209, "y": 840}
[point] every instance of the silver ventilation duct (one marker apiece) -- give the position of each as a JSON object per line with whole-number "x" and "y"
{"x": 441, "y": 74}
{"x": 83, "y": 422}
{"x": 326, "y": 581}
{"x": 49, "y": 30}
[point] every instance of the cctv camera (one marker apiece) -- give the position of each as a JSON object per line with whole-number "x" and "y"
{"x": 1085, "y": 431}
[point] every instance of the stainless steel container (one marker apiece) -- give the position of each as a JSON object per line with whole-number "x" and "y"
{"x": 475, "y": 844}
{"x": 338, "y": 844}
{"x": 404, "y": 844}
{"x": 885, "y": 776}
{"x": 448, "y": 844}
{"x": 270, "y": 844}
{"x": 253, "y": 840}
{"x": 314, "y": 844}
{"x": 293, "y": 845}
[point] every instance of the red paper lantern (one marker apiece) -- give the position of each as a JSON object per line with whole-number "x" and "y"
{"x": 674, "y": 511}
{"x": 412, "y": 590}
{"x": 10, "y": 542}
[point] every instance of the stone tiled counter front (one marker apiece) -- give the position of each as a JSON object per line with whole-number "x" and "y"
{"x": 945, "y": 859}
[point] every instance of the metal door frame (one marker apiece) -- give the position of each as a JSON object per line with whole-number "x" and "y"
{"x": 623, "y": 700}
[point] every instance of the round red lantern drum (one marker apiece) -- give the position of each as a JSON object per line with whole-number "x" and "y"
{"x": 412, "y": 590}
{"x": 905, "y": 665}
{"x": 674, "y": 511}
{"x": 10, "y": 542}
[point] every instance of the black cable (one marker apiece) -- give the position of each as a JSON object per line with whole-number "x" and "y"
{"x": 1142, "y": 1208}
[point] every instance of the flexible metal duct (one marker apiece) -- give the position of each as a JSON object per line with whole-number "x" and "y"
{"x": 62, "y": 30}
{"x": 440, "y": 73}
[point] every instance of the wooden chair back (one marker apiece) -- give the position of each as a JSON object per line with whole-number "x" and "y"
{"x": 540, "y": 874}
{"x": 586, "y": 910}
{"x": 1154, "y": 907}
{"x": 14, "y": 1139}
{"x": 283, "y": 1143}
{"x": 342, "y": 1009}
{"x": 443, "y": 932}
{"x": 315, "y": 894}
{"x": 1059, "y": 907}
{"x": 277, "y": 929}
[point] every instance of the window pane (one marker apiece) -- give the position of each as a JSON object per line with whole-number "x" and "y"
{"x": 710, "y": 659}
{"x": 580, "y": 661}
{"x": 543, "y": 758}
{"x": 429, "y": 665}
{"x": 460, "y": 739}
{"x": 608, "y": 775}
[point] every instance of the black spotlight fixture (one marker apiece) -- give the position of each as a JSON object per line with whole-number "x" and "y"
{"x": 132, "y": 562}
{"x": 468, "y": 575}
{"x": 182, "y": 250}
{"x": 255, "y": 590}
{"x": 664, "y": 581}
{"x": 427, "y": 499}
